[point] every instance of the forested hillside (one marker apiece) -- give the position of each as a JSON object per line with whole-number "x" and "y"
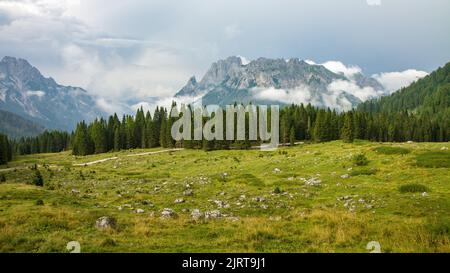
{"x": 15, "y": 126}
{"x": 427, "y": 96}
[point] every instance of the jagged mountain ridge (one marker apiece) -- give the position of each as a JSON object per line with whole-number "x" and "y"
{"x": 228, "y": 81}
{"x": 26, "y": 92}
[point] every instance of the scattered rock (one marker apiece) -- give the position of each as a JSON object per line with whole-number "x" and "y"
{"x": 167, "y": 213}
{"x": 196, "y": 214}
{"x": 424, "y": 194}
{"x": 213, "y": 214}
{"x": 345, "y": 176}
{"x": 105, "y": 222}
{"x": 259, "y": 199}
{"x": 179, "y": 200}
{"x": 444, "y": 148}
{"x": 188, "y": 192}
{"x": 75, "y": 191}
{"x": 139, "y": 211}
{"x": 276, "y": 170}
{"x": 313, "y": 181}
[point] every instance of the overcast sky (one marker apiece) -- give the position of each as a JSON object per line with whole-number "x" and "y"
{"x": 132, "y": 50}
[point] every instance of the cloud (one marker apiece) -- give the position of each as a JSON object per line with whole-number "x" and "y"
{"x": 112, "y": 68}
{"x": 362, "y": 93}
{"x": 37, "y": 93}
{"x": 301, "y": 94}
{"x": 393, "y": 81}
{"x": 373, "y": 2}
{"x": 340, "y": 68}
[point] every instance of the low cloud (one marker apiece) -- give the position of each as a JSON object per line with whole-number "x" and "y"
{"x": 362, "y": 93}
{"x": 301, "y": 94}
{"x": 393, "y": 81}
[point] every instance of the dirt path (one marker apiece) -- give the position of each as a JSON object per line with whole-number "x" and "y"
{"x": 115, "y": 157}
{"x": 96, "y": 161}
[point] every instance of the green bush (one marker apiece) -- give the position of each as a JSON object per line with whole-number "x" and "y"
{"x": 386, "y": 150}
{"x": 413, "y": 187}
{"x": 277, "y": 190}
{"x": 2, "y": 178}
{"x": 37, "y": 178}
{"x": 360, "y": 160}
{"x": 439, "y": 159}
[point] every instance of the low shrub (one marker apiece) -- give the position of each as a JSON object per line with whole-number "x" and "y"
{"x": 360, "y": 160}
{"x": 413, "y": 188}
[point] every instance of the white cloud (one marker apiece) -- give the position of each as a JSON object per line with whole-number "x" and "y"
{"x": 373, "y": 2}
{"x": 37, "y": 93}
{"x": 393, "y": 81}
{"x": 362, "y": 93}
{"x": 301, "y": 94}
{"x": 339, "y": 68}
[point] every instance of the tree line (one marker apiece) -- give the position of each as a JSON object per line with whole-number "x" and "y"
{"x": 6, "y": 149}
{"x": 297, "y": 123}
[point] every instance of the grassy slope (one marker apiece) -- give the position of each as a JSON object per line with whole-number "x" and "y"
{"x": 301, "y": 219}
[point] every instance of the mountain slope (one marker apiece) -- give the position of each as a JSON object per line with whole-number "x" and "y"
{"x": 269, "y": 81}
{"x": 25, "y": 92}
{"x": 15, "y": 126}
{"x": 428, "y": 95}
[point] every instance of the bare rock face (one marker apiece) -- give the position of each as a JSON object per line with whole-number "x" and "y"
{"x": 26, "y": 92}
{"x": 229, "y": 80}
{"x": 105, "y": 222}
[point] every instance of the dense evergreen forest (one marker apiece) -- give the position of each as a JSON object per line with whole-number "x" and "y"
{"x": 420, "y": 112}
{"x": 6, "y": 149}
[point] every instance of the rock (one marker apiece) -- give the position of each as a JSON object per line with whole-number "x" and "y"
{"x": 276, "y": 170}
{"x": 105, "y": 222}
{"x": 345, "y": 176}
{"x": 313, "y": 181}
{"x": 213, "y": 214}
{"x": 75, "y": 191}
{"x": 444, "y": 148}
{"x": 167, "y": 213}
{"x": 221, "y": 204}
{"x": 139, "y": 211}
{"x": 196, "y": 214}
{"x": 179, "y": 200}
{"x": 188, "y": 192}
{"x": 410, "y": 141}
{"x": 424, "y": 194}
{"x": 259, "y": 199}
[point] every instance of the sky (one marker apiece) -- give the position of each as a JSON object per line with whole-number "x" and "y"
{"x": 125, "y": 52}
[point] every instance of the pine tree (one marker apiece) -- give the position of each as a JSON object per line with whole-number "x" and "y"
{"x": 292, "y": 137}
{"x": 347, "y": 131}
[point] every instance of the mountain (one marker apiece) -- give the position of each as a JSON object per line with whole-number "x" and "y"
{"x": 269, "y": 81}
{"x": 15, "y": 126}
{"x": 25, "y": 92}
{"x": 428, "y": 96}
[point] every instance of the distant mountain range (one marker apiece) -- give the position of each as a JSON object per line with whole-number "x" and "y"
{"x": 269, "y": 81}
{"x": 28, "y": 94}
{"x": 16, "y": 126}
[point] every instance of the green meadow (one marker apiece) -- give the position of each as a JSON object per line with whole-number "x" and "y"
{"x": 326, "y": 197}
